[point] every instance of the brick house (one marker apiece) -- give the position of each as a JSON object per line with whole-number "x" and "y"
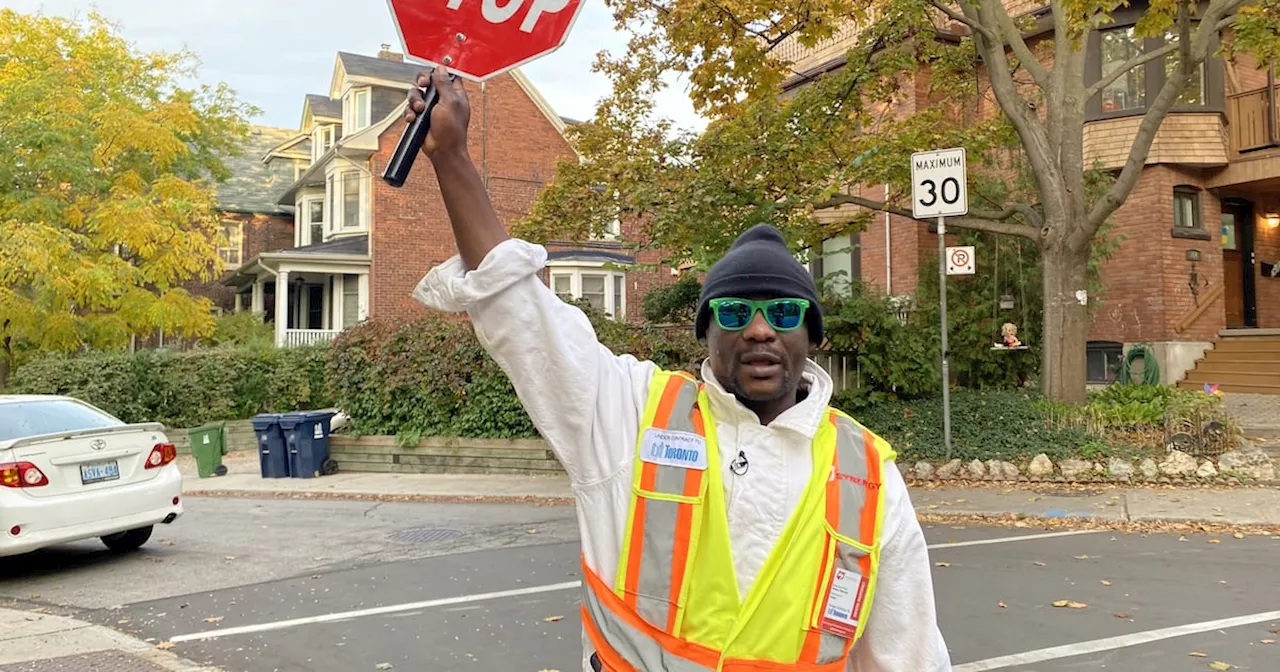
{"x": 1204, "y": 213}
{"x": 357, "y": 246}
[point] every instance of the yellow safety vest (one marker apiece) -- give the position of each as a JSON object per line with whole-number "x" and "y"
{"x": 674, "y": 605}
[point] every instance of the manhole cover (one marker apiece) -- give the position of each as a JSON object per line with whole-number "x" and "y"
{"x": 100, "y": 661}
{"x": 426, "y": 535}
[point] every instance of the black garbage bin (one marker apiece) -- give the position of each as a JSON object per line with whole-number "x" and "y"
{"x": 307, "y": 438}
{"x": 273, "y": 454}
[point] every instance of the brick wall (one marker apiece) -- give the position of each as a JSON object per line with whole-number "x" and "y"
{"x": 1147, "y": 279}
{"x": 512, "y": 144}
{"x": 262, "y": 233}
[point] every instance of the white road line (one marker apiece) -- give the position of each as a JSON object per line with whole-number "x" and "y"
{"x": 533, "y": 590}
{"x": 1111, "y": 643}
{"x": 375, "y": 611}
{"x": 1005, "y": 540}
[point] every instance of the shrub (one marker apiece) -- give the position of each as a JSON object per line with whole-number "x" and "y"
{"x": 184, "y": 389}
{"x": 674, "y": 303}
{"x": 991, "y": 424}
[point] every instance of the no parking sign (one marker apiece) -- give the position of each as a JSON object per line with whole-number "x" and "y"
{"x": 960, "y": 260}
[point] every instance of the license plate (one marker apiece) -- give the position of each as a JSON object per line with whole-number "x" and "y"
{"x": 97, "y": 472}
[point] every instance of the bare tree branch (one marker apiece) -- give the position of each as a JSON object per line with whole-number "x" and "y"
{"x": 1013, "y": 37}
{"x": 977, "y": 220}
{"x": 943, "y": 7}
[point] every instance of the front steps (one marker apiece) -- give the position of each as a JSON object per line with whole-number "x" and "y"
{"x": 1242, "y": 361}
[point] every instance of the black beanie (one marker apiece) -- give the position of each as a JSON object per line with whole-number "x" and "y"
{"x": 759, "y": 264}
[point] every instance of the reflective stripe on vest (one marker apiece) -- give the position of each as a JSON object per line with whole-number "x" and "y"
{"x": 637, "y": 623}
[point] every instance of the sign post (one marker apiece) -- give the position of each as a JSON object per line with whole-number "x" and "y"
{"x": 475, "y": 40}
{"x": 939, "y": 189}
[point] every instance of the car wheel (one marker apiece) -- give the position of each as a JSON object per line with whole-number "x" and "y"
{"x": 129, "y": 540}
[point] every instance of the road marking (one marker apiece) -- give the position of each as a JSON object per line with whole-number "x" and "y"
{"x": 375, "y": 611}
{"x": 533, "y": 590}
{"x": 1112, "y": 643}
{"x": 1005, "y": 540}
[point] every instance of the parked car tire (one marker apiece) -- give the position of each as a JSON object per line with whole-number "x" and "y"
{"x": 128, "y": 540}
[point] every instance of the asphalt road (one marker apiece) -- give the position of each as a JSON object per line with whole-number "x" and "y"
{"x": 283, "y": 586}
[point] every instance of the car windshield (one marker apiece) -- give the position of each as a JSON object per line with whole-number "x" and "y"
{"x": 50, "y": 416}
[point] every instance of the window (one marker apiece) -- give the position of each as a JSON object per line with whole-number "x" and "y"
{"x": 231, "y": 248}
{"x": 310, "y": 221}
{"x": 1103, "y": 359}
{"x": 348, "y": 193}
{"x": 355, "y": 110}
{"x": 1186, "y": 208}
{"x": 1194, "y": 94}
{"x": 350, "y": 300}
{"x": 321, "y": 140}
{"x": 1128, "y": 92}
{"x": 351, "y": 200}
{"x": 605, "y": 290}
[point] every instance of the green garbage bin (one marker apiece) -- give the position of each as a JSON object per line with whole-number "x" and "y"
{"x": 208, "y": 445}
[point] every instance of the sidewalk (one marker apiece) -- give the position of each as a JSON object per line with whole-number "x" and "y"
{"x": 36, "y": 642}
{"x": 1107, "y": 503}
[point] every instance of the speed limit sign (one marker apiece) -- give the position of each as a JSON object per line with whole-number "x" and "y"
{"x": 938, "y": 184}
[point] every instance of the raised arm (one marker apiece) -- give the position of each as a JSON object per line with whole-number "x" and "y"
{"x": 582, "y": 398}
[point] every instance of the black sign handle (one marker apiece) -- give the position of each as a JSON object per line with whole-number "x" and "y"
{"x": 411, "y": 140}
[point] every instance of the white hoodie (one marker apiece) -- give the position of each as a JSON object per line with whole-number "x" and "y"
{"x": 587, "y": 403}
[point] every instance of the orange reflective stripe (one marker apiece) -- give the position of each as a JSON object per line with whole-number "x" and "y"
{"x": 684, "y": 530}
{"x": 869, "y": 508}
{"x": 609, "y": 659}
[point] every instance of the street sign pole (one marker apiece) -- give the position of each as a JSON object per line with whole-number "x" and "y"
{"x": 939, "y": 189}
{"x": 946, "y": 365}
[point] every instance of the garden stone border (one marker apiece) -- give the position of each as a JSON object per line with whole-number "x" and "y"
{"x": 1238, "y": 467}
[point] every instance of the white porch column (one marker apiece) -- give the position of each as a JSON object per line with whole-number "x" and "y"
{"x": 257, "y": 303}
{"x": 326, "y": 310}
{"x": 335, "y": 304}
{"x": 282, "y": 306}
{"x": 239, "y": 302}
{"x": 363, "y": 297}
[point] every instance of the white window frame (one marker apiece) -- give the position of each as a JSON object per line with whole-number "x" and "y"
{"x": 302, "y": 227}
{"x": 323, "y": 137}
{"x": 234, "y": 243}
{"x": 352, "y": 121}
{"x": 335, "y": 200}
{"x": 614, "y": 280}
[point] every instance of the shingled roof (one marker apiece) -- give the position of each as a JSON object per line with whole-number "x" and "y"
{"x": 324, "y": 106}
{"x": 255, "y": 186}
{"x": 368, "y": 66}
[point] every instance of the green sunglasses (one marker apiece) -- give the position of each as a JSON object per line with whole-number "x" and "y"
{"x": 781, "y": 314}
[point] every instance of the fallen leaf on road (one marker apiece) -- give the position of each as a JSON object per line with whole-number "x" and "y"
{"x": 1082, "y": 557}
{"x": 384, "y": 666}
{"x": 1002, "y": 605}
{"x": 941, "y": 564}
{"x": 1070, "y": 604}
{"x": 1238, "y": 535}
{"x": 165, "y": 646}
{"x": 1268, "y": 641}
{"x": 213, "y": 619}
{"x": 532, "y": 531}
{"x": 1034, "y": 499}
{"x": 957, "y": 527}
{"x": 1182, "y": 538}
{"x": 1038, "y": 564}
{"x": 1215, "y": 541}
{"x": 1105, "y": 582}
{"x": 960, "y": 501}
{"x": 1122, "y": 614}
{"x": 552, "y": 619}
{"x": 933, "y": 506}
{"x": 1219, "y": 665}
{"x": 229, "y": 558}
{"x": 1198, "y": 654}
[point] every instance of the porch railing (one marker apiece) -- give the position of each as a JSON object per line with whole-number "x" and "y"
{"x": 294, "y": 338}
{"x": 1252, "y": 117}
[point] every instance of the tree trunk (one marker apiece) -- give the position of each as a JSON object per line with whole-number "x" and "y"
{"x": 1066, "y": 324}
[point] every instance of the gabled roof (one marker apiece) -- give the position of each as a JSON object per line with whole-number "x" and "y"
{"x": 324, "y": 106}
{"x": 392, "y": 73}
{"x": 255, "y": 185}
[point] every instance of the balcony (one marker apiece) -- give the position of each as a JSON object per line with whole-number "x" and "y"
{"x": 1252, "y": 116}
{"x": 296, "y": 338}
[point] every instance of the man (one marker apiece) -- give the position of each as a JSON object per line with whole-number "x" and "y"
{"x": 738, "y": 525}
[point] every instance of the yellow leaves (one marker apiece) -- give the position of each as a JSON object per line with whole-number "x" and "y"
{"x": 1105, "y": 582}
{"x": 941, "y": 564}
{"x": 1219, "y": 665}
{"x": 1069, "y": 604}
{"x": 165, "y": 646}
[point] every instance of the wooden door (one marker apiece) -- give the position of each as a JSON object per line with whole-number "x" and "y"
{"x": 1233, "y": 286}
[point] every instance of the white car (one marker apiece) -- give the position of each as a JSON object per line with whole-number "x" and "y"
{"x": 71, "y": 471}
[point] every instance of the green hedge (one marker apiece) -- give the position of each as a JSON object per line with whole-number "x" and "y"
{"x": 184, "y": 389}
{"x": 431, "y": 377}
{"x": 1000, "y": 425}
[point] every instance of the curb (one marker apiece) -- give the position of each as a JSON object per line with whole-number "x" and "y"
{"x": 53, "y": 637}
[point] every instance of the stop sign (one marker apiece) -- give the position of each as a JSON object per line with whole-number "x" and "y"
{"x": 478, "y": 39}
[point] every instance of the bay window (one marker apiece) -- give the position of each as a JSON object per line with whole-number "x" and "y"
{"x": 604, "y": 289}
{"x": 355, "y": 110}
{"x": 1127, "y": 92}
{"x": 347, "y": 192}
{"x": 309, "y": 221}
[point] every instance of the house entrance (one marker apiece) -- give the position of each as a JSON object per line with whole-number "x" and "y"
{"x": 1238, "y": 260}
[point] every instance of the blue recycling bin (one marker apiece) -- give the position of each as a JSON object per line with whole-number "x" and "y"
{"x": 307, "y": 440}
{"x": 273, "y": 454}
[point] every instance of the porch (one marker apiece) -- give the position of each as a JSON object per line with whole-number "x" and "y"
{"x": 311, "y": 294}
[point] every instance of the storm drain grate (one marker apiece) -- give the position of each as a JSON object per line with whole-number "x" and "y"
{"x": 426, "y": 535}
{"x": 100, "y": 661}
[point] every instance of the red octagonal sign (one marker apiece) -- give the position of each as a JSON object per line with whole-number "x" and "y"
{"x": 478, "y": 39}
